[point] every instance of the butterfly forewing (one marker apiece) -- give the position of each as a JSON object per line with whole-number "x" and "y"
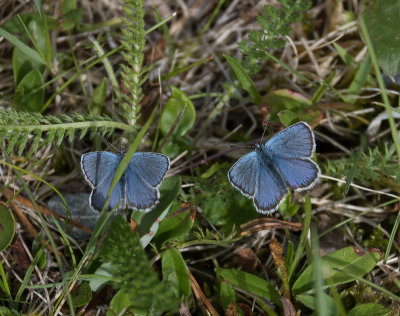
{"x": 150, "y": 167}
{"x": 146, "y": 171}
{"x": 98, "y": 166}
{"x": 296, "y": 141}
{"x": 243, "y": 174}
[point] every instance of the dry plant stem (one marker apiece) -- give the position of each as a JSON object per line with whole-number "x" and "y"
{"x": 265, "y": 223}
{"x": 24, "y": 220}
{"x": 8, "y": 194}
{"x": 201, "y": 298}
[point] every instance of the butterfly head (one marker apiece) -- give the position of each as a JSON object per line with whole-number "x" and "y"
{"x": 258, "y": 146}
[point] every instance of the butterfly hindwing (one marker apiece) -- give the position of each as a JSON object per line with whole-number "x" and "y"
{"x": 296, "y": 141}
{"x": 243, "y": 174}
{"x": 270, "y": 188}
{"x": 300, "y": 174}
{"x": 99, "y": 168}
{"x": 144, "y": 175}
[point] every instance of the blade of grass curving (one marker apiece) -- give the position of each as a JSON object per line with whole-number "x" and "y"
{"x": 109, "y": 69}
{"x": 156, "y": 26}
{"x": 42, "y": 220}
{"x": 34, "y": 176}
{"x": 244, "y": 79}
{"x": 103, "y": 218}
{"x": 298, "y": 74}
{"x": 303, "y": 237}
{"x": 177, "y": 71}
{"x": 360, "y": 78}
{"x": 4, "y": 283}
{"x": 66, "y": 84}
{"x": 46, "y": 31}
{"x": 320, "y": 304}
{"x": 28, "y": 272}
{"x": 32, "y": 38}
{"x": 206, "y": 26}
{"x": 381, "y": 84}
{"x": 352, "y": 172}
{"x": 322, "y": 89}
{"x": 66, "y": 241}
{"x": 34, "y": 55}
{"x": 392, "y": 237}
{"x": 128, "y": 155}
{"x": 168, "y": 39}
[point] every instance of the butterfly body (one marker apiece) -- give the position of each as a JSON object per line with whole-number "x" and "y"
{"x": 284, "y": 163}
{"x": 138, "y": 186}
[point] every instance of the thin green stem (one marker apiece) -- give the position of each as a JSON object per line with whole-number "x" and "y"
{"x": 381, "y": 84}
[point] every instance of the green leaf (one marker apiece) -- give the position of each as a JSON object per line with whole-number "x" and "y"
{"x": 71, "y": 18}
{"x": 350, "y": 259}
{"x": 359, "y": 79}
{"x": 227, "y": 294}
{"x": 250, "y": 283}
{"x": 7, "y": 227}
{"x": 309, "y": 301}
{"x": 36, "y": 247}
{"x": 244, "y": 79}
{"x": 287, "y": 117}
{"x": 25, "y": 49}
{"x": 15, "y": 26}
{"x": 347, "y": 58}
{"x": 119, "y": 303}
{"x": 99, "y": 95}
{"x": 175, "y": 227}
{"x": 22, "y": 65}
{"x": 148, "y": 223}
{"x": 287, "y": 100}
{"x": 82, "y": 296}
{"x": 369, "y": 309}
{"x": 97, "y": 281}
{"x": 382, "y": 19}
{"x": 30, "y": 92}
{"x": 210, "y": 171}
{"x": 175, "y": 273}
{"x": 172, "y": 110}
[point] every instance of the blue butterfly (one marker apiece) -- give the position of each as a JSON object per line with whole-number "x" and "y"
{"x": 138, "y": 186}
{"x": 284, "y": 163}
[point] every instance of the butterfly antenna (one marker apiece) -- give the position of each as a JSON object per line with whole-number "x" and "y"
{"x": 177, "y": 120}
{"x": 265, "y": 122}
{"x": 107, "y": 142}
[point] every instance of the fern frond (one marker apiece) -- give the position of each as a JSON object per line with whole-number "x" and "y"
{"x": 131, "y": 269}
{"x": 275, "y": 24}
{"x": 18, "y": 127}
{"x": 133, "y": 45}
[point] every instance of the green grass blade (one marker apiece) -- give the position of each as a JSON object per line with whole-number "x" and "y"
{"x": 34, "y": 55}
{"x": 381, "y": 84}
